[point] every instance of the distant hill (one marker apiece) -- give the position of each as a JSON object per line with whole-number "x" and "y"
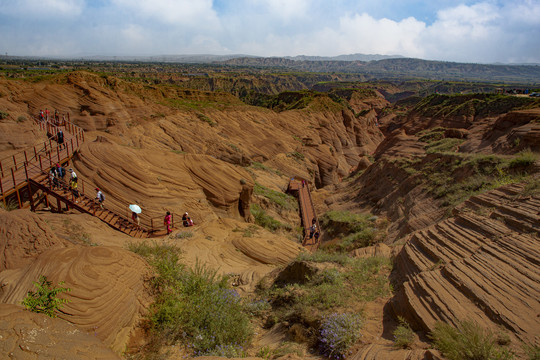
{"x": 404, "y": 68}
{"x": 351, "y": 57}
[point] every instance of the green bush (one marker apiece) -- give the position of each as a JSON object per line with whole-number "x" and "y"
{"x": 523, "y": 159}
{"x": 195, "y": 305}
{"x": 338, "y": 333}
{"x": 468, "y": 341}
{"x": 443, "y": 145}
{"x": 45, "y": 299}
{"x": 265, "y": 220}
{"x": 3, "y": 115}
{"x": 403, "y": 334}
{"x": 282, "y": 200}
{"x": 533, "y": 352}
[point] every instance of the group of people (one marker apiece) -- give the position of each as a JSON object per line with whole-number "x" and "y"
{"x": 186, "y": 221}
{"x": 57, "y": 175}
{"x": 46, "y": 116}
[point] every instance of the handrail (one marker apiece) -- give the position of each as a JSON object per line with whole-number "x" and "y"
{"x": 22, "y": 157}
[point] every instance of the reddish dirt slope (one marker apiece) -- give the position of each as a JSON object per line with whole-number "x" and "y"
{"x": 23, "y": 236}
{"x": 481, "y": 265}
{"x": 27, "y": 335}
{"x": 107, "y": 296}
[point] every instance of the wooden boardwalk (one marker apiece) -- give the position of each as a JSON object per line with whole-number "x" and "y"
{"x": 24, "y": 181}
{"x": 300, "y": 188}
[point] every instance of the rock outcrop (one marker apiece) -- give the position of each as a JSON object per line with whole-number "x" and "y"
{"x": 480, "y": 265}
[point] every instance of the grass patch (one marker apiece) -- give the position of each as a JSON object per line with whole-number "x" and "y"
{"x": 206, "y": 119}
{"x": 194, "y": 306}
{"x": 443, "y": 145}
{"x": 454, "y": 178}
{"x": 356, "y": 230}
{"x": 296, "y": 156}
{"x": 282, "y": 200}
{"x": 183, "y": 235}
{"x": 468, "y": 341}
{"x": 265, "y": 220}
{"x": 336, "y": 287}
{"x": 403, "y": 334}
{"x": 77, "y": 234}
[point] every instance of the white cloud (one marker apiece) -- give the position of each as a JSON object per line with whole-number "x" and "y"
{"x": 47, "y": 10}
{"x": 182, "y": 13}
{"x": 284, "y": 9}
{"x": 471, "y": 31}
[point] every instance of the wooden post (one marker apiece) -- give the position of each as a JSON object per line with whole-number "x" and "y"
{"x": 1, "y": 169}
{"x": 2, "y": 189}
{"x": 59, "y": 205}
{"x": 72, "y": 149}
{"x": 15, "y": 162}
{"x": 77, "y": 137}
{"x": 13, "y": 177}
{"x": 40, "y": 164}
{"x": 26, "y": 171}
{"x": 58, "y": 152}
{"x": 19, "y": 199}
{"x": 31, "y": 196}
{"x": 35, "y": 152}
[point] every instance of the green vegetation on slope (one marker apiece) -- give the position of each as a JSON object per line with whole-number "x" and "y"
{"x": 194, "y": 306}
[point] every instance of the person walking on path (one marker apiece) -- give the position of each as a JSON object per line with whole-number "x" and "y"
{"x": 73, "y": 185}
{"x": 135, "y": 218}
{"x": 167, "y": 222}
{"x": 100, "y": 198}
{"x": 53, "y": 178}
{"x": 60, "y": 138}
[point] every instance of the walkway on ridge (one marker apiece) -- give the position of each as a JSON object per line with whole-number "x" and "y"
{"x": 24, "y": 174}
{"x": 300, "y": 188}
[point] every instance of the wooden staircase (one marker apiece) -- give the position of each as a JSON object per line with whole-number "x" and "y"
{"x": 66, "y": 199}
{"x": 24, "y": 178}
{"x": 300, "y": 188}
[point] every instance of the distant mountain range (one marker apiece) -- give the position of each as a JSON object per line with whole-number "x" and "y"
{"x": 370, "y": 66}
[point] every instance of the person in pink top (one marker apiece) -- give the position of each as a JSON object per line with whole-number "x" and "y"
{"x": 167, "y": 222}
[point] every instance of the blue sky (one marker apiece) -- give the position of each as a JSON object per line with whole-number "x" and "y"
{"x": 484, "y": 31}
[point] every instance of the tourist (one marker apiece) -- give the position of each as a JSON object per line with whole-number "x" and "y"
{"x": 167, "y": 222}
{"x": 100, "y": 198}
{"x": 186, "y": 220}
{"x": 135, "y": 218}
{"x": 60, "y": 138}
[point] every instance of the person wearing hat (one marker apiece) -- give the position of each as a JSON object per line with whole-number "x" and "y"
{"x": 100, "y": 198}
{"x": 186, "y": 220}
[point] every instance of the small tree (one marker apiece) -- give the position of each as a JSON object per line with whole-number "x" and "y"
{"x": 45, "y": 299}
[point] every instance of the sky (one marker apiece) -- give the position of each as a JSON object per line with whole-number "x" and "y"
{"x": 474, "y": 31}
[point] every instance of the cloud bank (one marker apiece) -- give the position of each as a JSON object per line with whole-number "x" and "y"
{"x": 472, "y": 31}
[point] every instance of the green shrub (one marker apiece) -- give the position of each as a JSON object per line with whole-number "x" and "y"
{"x": 45, "y": 299}
{"x": 403, "y": 334}
{"x": 358, "y": 230}
{"x": 3, "y": 115}
{"x": 282, "y": 200}
{"x": 468, "y": 341}
{"x": 265, "y": 220}
{"x": 323, "y": 256}
{"x": 533, "y": 352}
{"x": 443, "y": 145}
{"x": 338, "y": 333}
{"x": 523, "y": 159}
{"x": 195, "y": 305}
